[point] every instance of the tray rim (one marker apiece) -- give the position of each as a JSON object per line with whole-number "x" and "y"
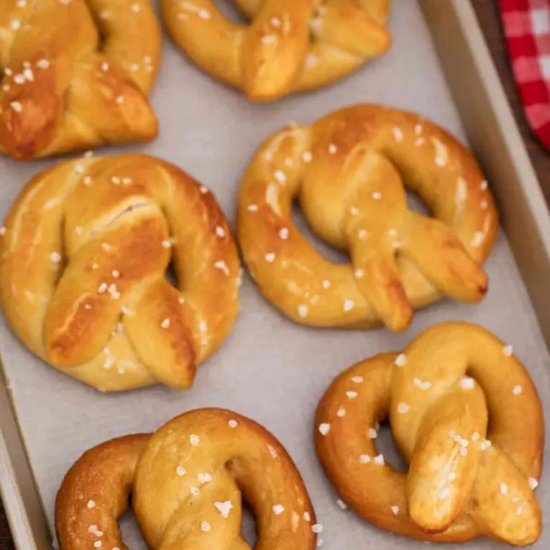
{"x": 498, "y": 145}
{"x": 18, "y": 489}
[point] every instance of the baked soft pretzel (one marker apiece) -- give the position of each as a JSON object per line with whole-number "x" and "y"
{"x": 83, "y": 261}
{"x": 464, "y": 414}
{"x": 75, "y": 74}
{"x": 289, "y": 45}
{"x": 188, "y": 481}
{"x": 348, "y": 171}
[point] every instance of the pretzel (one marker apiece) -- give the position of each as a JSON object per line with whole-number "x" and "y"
{"x": 75, "y": 74}
{"x": 288, "y": 45}
{"x": 83, "y": 259}
{"x": 348, "y": 171}
{"x": 188, "y": 480}
{"x": 466, "y": 417}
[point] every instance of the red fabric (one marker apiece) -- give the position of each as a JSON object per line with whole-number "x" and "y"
{"x": 527, "y": 29}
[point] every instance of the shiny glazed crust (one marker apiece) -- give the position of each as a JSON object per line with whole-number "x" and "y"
{"x": 289, "y": 45}
{"x": 83, "y": 260}
{"x": 188, "y": 481}
{"x": 468, "y": 420}
{"x": 76, "y": 74}
{"x": 348, "y": 172}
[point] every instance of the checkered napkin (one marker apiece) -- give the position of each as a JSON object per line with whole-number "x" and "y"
{"x": 527, "y": 29}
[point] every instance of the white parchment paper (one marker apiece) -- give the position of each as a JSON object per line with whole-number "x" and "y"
{"x": 270, "y": 368}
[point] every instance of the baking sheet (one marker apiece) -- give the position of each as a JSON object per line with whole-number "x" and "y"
{"x": 269, "y": 369}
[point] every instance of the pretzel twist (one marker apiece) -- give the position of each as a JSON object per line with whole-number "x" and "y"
{"x": 83, "y": 259}
{"x": 76, "y": 74}
{"x": 348, "y": 171}
{"x": 466, "y": 417}
{"x": 290, "y": 45}
{"x": 188, "y": 481}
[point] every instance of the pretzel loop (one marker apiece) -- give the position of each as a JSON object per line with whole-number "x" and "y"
{"x": 290, "y": 45}
{"x": 95, "y": 238}
{"x": 458, "y": 401}
{"x": 348, "y": 172}
{"x": 85, "y": 83}
{"x": 188, "y": 481}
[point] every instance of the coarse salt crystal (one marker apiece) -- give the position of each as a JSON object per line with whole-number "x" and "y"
{"x": 403, "y": 408}
{"x": 533, "y": 483}
{"x": 517, "y": 389}
{"x": 324, "y": 428}
{"x": 224, "y": 508}
{"x": 401, "y": 360}
{"x": 205, "y": 526}
{"x": 341, "y": 504}
{"x": 303, "y": 310}
{"x": 348, "y": 305}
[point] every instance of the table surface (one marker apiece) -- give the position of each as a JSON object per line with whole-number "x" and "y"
{"x": 489, "y": 19}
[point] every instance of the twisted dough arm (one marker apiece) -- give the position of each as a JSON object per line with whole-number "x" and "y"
{"x": 121, "y": 26}
{"x": 290, "y": 44}
{"x": 186, "y": 482}
{"x": 378, "y": 10}
{"x": 95, "y": 301}
{"x": 502, "y": 392}
{"x": 248, "y": 460}
{"x": 374, "y": 489}
{"x": 348, "y": 171}
{"x": 459, "y": 485}
{"x": 95, "y": 493}
{"x": 83, "y": 82}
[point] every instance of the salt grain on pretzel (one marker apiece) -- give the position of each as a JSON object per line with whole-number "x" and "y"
{"x": 70, "y": 295}
{"x": 356, "y": 201}
{"x": 67, "y": 80}
{"x": 474, "y": 444}
{"x": 289, "y": 45}
{"x": 160, "y": 471}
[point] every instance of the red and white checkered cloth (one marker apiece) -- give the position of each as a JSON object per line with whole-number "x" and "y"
{"x": 527, "y": 29}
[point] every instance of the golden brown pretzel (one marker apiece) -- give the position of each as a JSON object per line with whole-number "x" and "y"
{"x": 348, "y": 171}
{"x": 75, "y": 74}
{"x": 290, "y": 45}
{"x": 83, "y": 261}
{"x": 467, "y": 418}
{"x": 188, "y": 481}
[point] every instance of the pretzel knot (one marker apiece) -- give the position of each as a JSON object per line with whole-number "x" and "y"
{"x": 83, "y": 264}
{"x": 188, "y": 481}
{"x": 75, "y": 74}
{"x": 348, "y": 171}
{"x": 466, "y": 417}
{"x": 290, "y": 45}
